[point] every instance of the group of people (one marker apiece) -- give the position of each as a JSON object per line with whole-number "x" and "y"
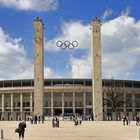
{"x": 126, "y": 120}
{"x": 36, "y": 119}
{"x": 77, "y": 121}
{"x": 87, "y": 117}
{"x": 83, "y": 117}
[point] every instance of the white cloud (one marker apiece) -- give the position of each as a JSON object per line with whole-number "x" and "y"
{"x": 120, "y": 58}
{"x": 13, "y": 60}
{"x": 80, "y": 68}
{"x": 120, "y": 48}
{"x": 71, "y": 31}
{"x": 106, "y": 14}
{"x": 30, "y": 5}
{"x": 48, "y": 73}
{"x": 14, "y": 63}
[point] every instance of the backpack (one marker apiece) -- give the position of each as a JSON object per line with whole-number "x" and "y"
{"x": 17, "y": 130}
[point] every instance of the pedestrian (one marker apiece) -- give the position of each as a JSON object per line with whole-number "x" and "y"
{"x": 124, "y": 119}
{"x": 35, "y": 119}
{"x": 31, "y": 119}
{"x": 76, "y": 121}
{"x": 43, "y": 119}
{"x": 57, "y": 120}
{"x": 39, "y": 119}
{"x": 128, "y": 120}
{"x": 53, "y": 122}
{"x": 80, "y": 120}
{"x": 22, "y": 126}
{"x": 137, "y": 120}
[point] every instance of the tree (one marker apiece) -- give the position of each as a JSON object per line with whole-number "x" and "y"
{"x": 113, "y": 97}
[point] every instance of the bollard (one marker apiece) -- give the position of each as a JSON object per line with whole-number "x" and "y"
{"x": 1, "y": 134}
{"x": 139, "y": 134}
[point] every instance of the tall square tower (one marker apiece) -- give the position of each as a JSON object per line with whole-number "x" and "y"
{"x": 97, "y": 70}
{"x": 38, "y": 66}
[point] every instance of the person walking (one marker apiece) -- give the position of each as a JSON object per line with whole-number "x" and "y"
{"x": 127, "y": 120}
{"x": 22, "y": 126}
{"x": 137, "y": 120}
{"x": 35, "y": 119}
{"x": 124, "y": 120}
{"x": 43, "y": 119}
{"x": 39, "y": 119}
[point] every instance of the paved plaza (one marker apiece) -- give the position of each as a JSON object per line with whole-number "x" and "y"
{"x": 67, "y": 131}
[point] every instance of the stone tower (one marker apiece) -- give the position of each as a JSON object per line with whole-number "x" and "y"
{"x": 38, "y": 66}
{"x": 97, "y": 70}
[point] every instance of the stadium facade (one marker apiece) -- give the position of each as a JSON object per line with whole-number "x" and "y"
{"x": 62, "y": 96}
{"x": 49, "y": 97}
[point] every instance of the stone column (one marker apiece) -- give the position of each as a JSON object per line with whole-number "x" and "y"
{"x": 21, "y": 105}
{"x": 11, "y": 102}
{"x": 3, "y": 109}
{"x": 52, "y": 109}
{"x": 97, "y": 70}
{"x": 73, "y": 102}
{"x": 11, "y": 106}
{"x": 84, "y": 101}
{"x": 38, "y": 66}
{"x": 124, "y": 105}
{"x": 31, "y": 102}
{"x": 62, "y": 103}
{"x": 133, "y": 102}
{"x": 105, "y": 108}
{"x": 2, "y": 102}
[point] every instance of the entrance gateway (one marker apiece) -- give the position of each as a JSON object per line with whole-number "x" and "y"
{"x": 97, "y": 109}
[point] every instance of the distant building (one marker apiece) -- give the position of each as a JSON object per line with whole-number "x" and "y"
{"x": 61, "y": 96}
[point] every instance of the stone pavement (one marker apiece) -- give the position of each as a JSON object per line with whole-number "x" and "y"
{"x": 67, "y": 131}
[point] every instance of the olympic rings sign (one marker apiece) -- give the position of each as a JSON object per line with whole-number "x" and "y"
{"x": 67, "y": 44}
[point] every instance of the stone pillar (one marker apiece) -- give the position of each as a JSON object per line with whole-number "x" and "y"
{"x": 21, "y": 105}
{"x": 105, "y": 109}
{"x": 11, "y": 106}
{"x": 124, "y": 105}
{"x": 31, "y": 102}
{"x": 52, "y": 109}
{"x": 38, "y": 66}
{"x": 97, "y": 70}
{"x": 73, "y": 102}
{"x": 11, "y": 102}
{"x": 133, "y": 103}
{"x": 3, "y": 108}
{"x": 63, "y": 103}
{"x": 84, "y": 101}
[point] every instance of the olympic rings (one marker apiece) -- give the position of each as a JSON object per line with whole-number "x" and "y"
{"x": 67, "y": 44}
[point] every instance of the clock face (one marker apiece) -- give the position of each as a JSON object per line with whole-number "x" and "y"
{"x": 37, "y": 39}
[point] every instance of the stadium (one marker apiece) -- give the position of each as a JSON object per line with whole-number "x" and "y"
{"x": 56, "y": 97}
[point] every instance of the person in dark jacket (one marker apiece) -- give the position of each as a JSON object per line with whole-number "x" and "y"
{"x": 43, "y": 119}
{"x": 35, "y": 119}
{"x": 137, "y": 120}
{"x": 22, "y": 126}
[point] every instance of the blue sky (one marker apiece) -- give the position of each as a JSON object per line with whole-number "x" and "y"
{"x": 70, "y": 20}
